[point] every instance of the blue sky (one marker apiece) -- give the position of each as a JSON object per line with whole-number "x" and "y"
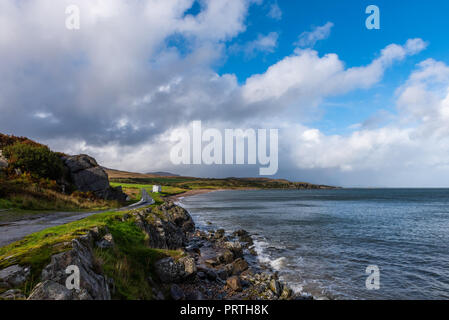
{"x": 354, "y": 107}
{"x": 352, "y": 41}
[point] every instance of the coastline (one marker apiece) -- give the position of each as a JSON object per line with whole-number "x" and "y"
{"x": 196, "y": 192}
{"x": 191, "y": 193}
{"x": 191, "y": 264}
{"x": 249, "y": 244}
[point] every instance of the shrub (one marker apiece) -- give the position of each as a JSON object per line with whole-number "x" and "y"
{"x": 38, "y": 160}
{"x": 7, "y": 140}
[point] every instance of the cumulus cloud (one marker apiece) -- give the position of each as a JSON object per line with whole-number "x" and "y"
{"x": 137, "y": 70}
{"x": 409, "y": 151}
{"x": 307, "y": 78}
{"x": 119, "y": 77}
{"x": 310, "y": 38}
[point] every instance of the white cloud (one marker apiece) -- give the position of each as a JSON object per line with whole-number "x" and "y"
{"x": 310, "y": 38}
{"x": 306, "y": 78}
{"x": 263, "y": 43}
{"x": 275, "y": 11}
{"x": 121, "y": 64}
{"x": 118, "y": 87}
{"x": 221, "y": 19}
{"x": 409, "y": 151}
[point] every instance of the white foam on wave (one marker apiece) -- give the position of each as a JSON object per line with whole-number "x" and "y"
{"x": 260, "y": 247}
{"x": 264, "y": 258}
{"x": 298, "y": 288}
{"x": 279, "y": 264}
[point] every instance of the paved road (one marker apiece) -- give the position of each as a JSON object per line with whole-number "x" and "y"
{"x": 16, "y": 230}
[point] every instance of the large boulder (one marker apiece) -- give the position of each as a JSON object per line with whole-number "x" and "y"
{"x": 88, "y": 176}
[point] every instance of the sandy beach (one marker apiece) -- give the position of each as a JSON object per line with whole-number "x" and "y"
{"x": 202, "y": 191}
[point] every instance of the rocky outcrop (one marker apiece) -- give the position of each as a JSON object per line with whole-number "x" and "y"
{"x": 171, "y": 271}
{"x": 178, "y": 215}
{"x": 93, "y": 284}
{"x": 50, "y": 290}
{"x": 225, "y": 256}
{"x": 14, "y": 276}
{"x": 88, "y": 176}
{"x": 166, "y": 226}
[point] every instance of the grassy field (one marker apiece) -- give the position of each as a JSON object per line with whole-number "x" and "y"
{"x": 134, "y": 190}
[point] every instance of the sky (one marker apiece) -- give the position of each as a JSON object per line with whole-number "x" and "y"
{"x": 354, "y": 107}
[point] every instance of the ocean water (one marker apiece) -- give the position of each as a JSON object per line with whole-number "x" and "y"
{"x": 322, "y": 241}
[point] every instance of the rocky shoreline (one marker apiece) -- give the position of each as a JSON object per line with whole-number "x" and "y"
{"x": 210, "y": 266}
{"x": 216, "y": 268}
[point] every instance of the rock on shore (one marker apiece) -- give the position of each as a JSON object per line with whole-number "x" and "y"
{"x": 212, "y": 265}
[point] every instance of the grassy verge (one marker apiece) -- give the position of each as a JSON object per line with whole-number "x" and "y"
{"x": 36, "y": 249}
{"x": 48, "y": 200}
{"x": 129, "y": 263}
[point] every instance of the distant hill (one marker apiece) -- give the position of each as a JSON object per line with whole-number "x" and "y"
{"x": 164, "y": 174}
{"x": 118, "y": 174}
{"x": 207, "y": 183}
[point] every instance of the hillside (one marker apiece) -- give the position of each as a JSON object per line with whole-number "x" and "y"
{"x": 33, "y": 177}
{"x": 191, "y": 183}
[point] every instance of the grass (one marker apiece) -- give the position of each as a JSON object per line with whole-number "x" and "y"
{"x": 129, "y": 263}
{"x": 52, "y": 200}
{"x": 134, "y": 191}
{"x": 30, "y": 203}
{"x": 27, "y": 193}
{"x": 36, "y": 249}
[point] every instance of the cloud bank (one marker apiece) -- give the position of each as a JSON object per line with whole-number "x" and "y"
{"x": 137, "y": 70}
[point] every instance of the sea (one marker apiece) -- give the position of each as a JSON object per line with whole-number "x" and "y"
{"x": 342, "y": 244}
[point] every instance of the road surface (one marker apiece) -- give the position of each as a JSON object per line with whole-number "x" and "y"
{"x": 16, "y": 230}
